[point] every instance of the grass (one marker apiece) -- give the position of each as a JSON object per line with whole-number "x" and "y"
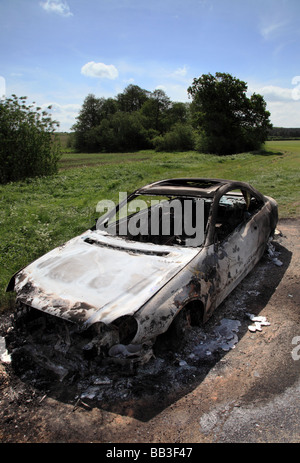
{"x": 71, "y": 159}
{"x": 38, "y": 214}
{"x": 288, "y": 146}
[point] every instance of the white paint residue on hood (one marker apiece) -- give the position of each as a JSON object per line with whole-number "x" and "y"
{"x": 113, "y": 276}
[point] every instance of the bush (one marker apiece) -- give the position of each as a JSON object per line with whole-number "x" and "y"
{"x": 28, "y": 146}
{"x": 179, "y": 138}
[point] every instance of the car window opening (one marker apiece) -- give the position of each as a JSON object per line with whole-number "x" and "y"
{"x": 175, "y": 221}
{"x": 234, "y": 209}
{"x": 171, "y": 221}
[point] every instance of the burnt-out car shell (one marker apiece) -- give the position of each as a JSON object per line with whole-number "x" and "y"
{"x": 131, "y": 289}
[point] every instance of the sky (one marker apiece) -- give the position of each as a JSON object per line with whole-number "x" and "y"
{"x": 56, "y": 52}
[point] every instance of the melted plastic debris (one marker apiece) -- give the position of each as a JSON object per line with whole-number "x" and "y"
{"x": 252, "y": 292}
{"x": 259, "y": 321}
{"x": 272, "y": 253}
{"x": 271, "y": 249}
{"x": 223, "y": 338}
{"x": 4, "y": 355}
{"x": 130, "y": 354}
{"x": 277, "y": 262}
{"x": 120, "y": 350}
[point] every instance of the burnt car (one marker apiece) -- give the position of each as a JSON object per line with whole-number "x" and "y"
{"x": 168, "y": 254}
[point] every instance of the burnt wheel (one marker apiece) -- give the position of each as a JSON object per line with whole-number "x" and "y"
{"x": 176, "y": 336}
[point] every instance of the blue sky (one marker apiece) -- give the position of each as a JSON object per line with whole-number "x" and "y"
{"x": 58, "y": 51}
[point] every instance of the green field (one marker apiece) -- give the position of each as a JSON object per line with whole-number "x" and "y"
{"x": 39, "y": 214}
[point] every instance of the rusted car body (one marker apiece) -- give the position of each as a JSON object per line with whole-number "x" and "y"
{"x": 116, "y": 294}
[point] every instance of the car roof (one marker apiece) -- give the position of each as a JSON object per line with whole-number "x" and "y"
{"x": 203, "y": 187}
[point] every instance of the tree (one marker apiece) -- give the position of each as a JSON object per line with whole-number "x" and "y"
{"x": 132, "y": 98}
{"x": 27, "y": 141}
{"x": 129, "y": 132}
{"x": 227, "y": 120}
{"x": 155, "y": 110}
{"x": 132, "y": 121}
{"x": 177, "y": 113}
{"x": 92, "y": 113}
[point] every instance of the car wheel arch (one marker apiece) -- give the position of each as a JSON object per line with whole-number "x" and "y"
{"x": 189, "y": 315}
{"x": 193, "y": 308}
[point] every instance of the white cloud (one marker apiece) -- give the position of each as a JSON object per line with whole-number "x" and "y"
{"x": 175, "y": 92}
{"x": 285, "y": 114}
{"x": 58, "y": 108}
{"x": 161, "y": 87}
{"x": 100, "y": 70}
{"x": 274, "y": 93}
{"x": 282, "y": 102}
{"x": 57, "y": 6}
{"x": 2, "y": 88}
{"x": 129, "y": 81}
{"x": 65, "y": 114}
{"x": 272, "y": 29}
{"x": 180, "y": 72}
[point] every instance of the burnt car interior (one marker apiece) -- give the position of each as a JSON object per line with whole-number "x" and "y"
{"x": 165, "y": 214}
{"x": 234, "y": 208}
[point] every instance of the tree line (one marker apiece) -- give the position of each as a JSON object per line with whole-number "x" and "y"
{"x": 277, "y": 133}
{"x": 220, "y": 119}
{"x": 135, "y": 119}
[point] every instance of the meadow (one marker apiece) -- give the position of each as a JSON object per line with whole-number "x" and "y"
{"x": 38, "y": 214}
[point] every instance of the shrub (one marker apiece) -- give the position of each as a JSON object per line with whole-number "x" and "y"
{"x": 28, "y": 146}
{"x": 179, "y": 138}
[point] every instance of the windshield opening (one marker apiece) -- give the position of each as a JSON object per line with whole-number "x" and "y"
{"x": 163, "y": 220}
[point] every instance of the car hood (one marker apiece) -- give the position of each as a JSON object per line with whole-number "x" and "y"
{"x": 96, "y": 277}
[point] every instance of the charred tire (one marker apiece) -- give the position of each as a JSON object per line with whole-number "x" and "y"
{"x": 176, "y": 336}
{"x": 127, "y": 326}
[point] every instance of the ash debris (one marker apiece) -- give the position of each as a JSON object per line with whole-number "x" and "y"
{"x": 85, "y": 383}
{"x": 88, "y": 383}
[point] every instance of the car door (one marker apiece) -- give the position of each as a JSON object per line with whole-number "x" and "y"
{"x": 237, "y": 238}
